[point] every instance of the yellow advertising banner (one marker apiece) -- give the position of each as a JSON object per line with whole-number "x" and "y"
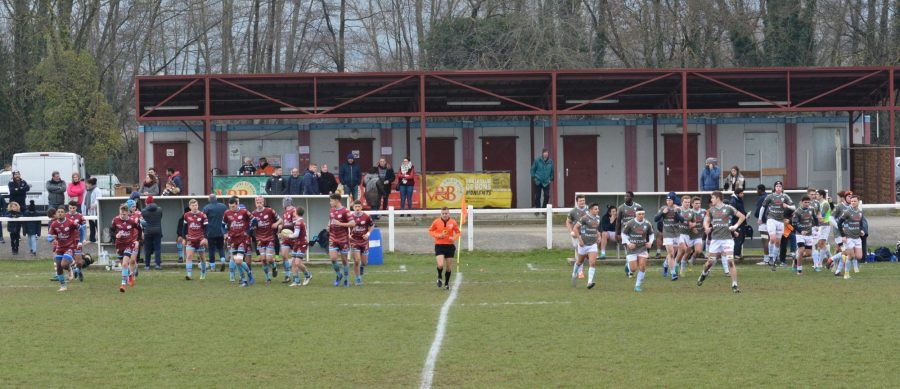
{"x": 482, "y": 190}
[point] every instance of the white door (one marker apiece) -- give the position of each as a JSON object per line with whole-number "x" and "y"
{"x": 763, "y": 150}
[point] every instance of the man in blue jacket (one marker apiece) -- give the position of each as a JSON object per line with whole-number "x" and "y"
{"x": 310, "y": 181}
{"x": 710, "y": 175}
{"x": 542, "y": 176}
{"x": 350, "y": 176}
{"x": 215, "y": 230}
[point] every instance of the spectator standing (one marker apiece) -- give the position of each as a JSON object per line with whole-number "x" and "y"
{"x": 175, "y": 180}
{"x": 310, "y": 182}
{"x": 264, "y": 168}
{"x": 350, "y": 177}
{"x": 14, "y": 211}
{"x": 32, "y": 228}
{"x": 159, "y": 183}
{"x": 737, "y": 202}
{"x": 75, "y": 189}
{"x": 56, "y": 191}
{"x": 387, "y": 176}
{"x": 542, "y": 176}
{"x": 152, "y": 222}
{"x": 18, "y": 188}
{"x": 327, "y": 183}
{"x": 373, "y": 190}
{"x": 91, "y": 206}
{"x": 275, "y": 184}
{"x": 150, "y": 186}
{"x": 247, "y": 169}
{"x": 734, "y": 180}
{"x": 294, "y": 184}
{"x": 405, "y": 183}
{"x": 215, "y": 229}
{"x": 2, "y": 212}
{"x": 709, "y": 176}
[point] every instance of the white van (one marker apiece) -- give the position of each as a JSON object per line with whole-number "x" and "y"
{"x": 37, "y": 168}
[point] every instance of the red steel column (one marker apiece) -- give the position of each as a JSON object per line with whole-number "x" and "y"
{"x": 422, "y": 135}
{"x": 655, "y": 153}
{"x": 631, "y": 156}
{"x": 468, "y": 146}
{"x": 684, "y": 133}
{"x": 207, "y": 138}
{"x": 222, "y": 150}
{"x": 303, "y": 149}
{"x": 790, "y": 154}
{"x": 387, "y": 143}
{"x": 142, "y": 153}
{"x": 712, "y": 141}
{"x": 554, "y": 134}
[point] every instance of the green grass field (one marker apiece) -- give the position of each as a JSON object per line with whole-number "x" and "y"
{"x": 512, "y": 325}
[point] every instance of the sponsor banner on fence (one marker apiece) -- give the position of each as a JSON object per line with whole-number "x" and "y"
{"x": 239, "y": 185}
{"x": 482, "y": 190}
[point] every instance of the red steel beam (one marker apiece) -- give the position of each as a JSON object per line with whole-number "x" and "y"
{"x": 838, "y": 88}
{"x": 739, "y": 90}
{"x": 207, "y": 133}
{"x": 369, "y": 93}
{"x": 489, "y": 93}
{"x": 166, "y": 100}
{"x": 258, "y": 94}
{"x": 620, "y": 91}
{"x": 554, "y": 133}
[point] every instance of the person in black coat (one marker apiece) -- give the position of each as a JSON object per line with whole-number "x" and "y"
{"x": 32, "y": 228}
{"x": 327, "y": 183}
{"x": 386, "y": 175}
{"x": 737, "y": 201}
{"x": 275, "y": 185}
{"x": 14, "y": 211}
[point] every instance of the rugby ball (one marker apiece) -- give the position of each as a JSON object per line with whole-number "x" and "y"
{"x": 286, "y": 233}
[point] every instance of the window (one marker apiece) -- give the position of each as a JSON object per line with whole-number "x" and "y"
{"x": 823, "y": 149}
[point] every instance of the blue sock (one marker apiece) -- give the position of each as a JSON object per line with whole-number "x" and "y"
{"x": 245, "y": 267}
{"x": 180, "y": 250}
{"x": 306, "y": 274}
{"x": 266, "y": 270}
{"x": 362, "y": 269}
{"x": 240, "y": 272}
{"x": 62, "y": 279}
{"x": 297, "y": 277}
{"x": 124, "y": 275}
{"x": 189, "y": 268}
{"x": 336, "y": 267}
{"x": 346, "y": 270}
{"x": 221, "y": 259}
{"x": 287, "y": 266}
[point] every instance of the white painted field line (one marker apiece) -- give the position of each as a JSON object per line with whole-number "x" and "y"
{"x": 428, "y": 370}
{"x": 531, "y": 267}
{"x": 403, "y": 268}
{"x": 535, "y": 268}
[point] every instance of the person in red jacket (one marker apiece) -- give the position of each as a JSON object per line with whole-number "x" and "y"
{"x": 75, "y": 189}
{"x": 405, "y": 183}
{"x": 445, "y": 232}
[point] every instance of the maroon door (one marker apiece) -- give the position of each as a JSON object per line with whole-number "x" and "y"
{"x": 579, "y": 166}
{"x": 440, "y": 154}
{"x": 499, "y": 154}
{"x": 171, "y": 155}
{"x": 360, "y": 148}
{"x": 674, "y": 168}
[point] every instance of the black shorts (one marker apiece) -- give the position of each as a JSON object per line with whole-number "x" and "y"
{"x": 447, "y": 250}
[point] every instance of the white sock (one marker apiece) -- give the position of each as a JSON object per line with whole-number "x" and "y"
{"x": 733, "y": 283}
{"x": 591, "y": 275}
{"x": 640, "y": 278}
{"x": 576, "y": 269}
{"x": 603, "y": 252}
{"x": 856, "y": 265}
{"x": 847, "y": 265}
{"x": 725, "y": 265}
{"x": 815, "y": 256}
{"x": 800, "y": 268}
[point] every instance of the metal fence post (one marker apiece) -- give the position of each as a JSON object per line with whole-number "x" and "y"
{"x": 391, "y": 228}
{"x": 549, "y": 226}
{"x": 470, "y": 228}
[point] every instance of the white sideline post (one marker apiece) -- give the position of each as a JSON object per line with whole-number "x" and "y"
{"x": 470, "y": 228}
{"x": 391, "y": 228}
{"x": 549, "y": 226}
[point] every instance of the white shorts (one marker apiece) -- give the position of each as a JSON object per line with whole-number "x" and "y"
{"x": 611, "y": 234}
{"x": 718, "y": 246}
{"x": 686, "y": 239}
{"x": 575, "y": 243}
{"x": 853, "y": 244}
{"x": 671, "y": 241}
{"x": 696, "y": 242}
{"x": 634, "y": 257}
{"x": 588, "y": 248}
{"x": 775, "y": 227}
{"x": 763, "y": 229}
{"x": 823, "y": 233}
{"x": 807, "y": 240}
